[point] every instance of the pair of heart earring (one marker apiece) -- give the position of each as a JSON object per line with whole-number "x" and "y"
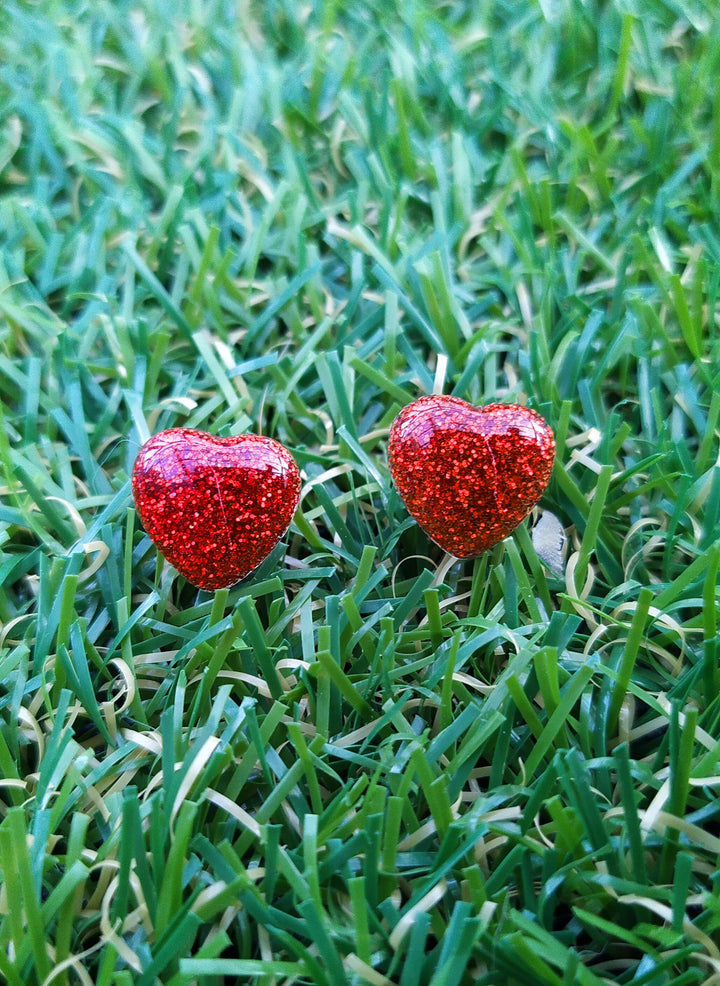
{"x": 216, "y": 507}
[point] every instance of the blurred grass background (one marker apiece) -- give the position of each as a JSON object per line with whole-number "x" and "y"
{"x": 368, "y": 763}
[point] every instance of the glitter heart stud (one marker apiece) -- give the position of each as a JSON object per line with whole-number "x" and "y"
{"x": 469, "y": 475}
{"x": 215, "y": 507}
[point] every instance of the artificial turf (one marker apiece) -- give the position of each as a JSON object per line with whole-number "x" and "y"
{"x": 368, "y": 763}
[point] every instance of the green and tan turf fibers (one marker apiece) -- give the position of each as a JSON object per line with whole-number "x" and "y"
{"x": 367, "y": 765}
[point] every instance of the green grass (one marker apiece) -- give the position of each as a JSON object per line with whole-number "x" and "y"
{"x": 366, "y": 764}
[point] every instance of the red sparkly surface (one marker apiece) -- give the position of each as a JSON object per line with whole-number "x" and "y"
{"x": 469, "y": 475}
{"x": 215, "y": 507}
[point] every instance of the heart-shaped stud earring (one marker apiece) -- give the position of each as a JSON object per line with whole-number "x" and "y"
{"x": 469, "y": 475}
{"x": 215, "y": 507}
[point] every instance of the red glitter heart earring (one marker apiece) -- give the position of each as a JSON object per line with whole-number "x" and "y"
{"x": 469, "y": 475}
{"x": 215, "y": 507}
